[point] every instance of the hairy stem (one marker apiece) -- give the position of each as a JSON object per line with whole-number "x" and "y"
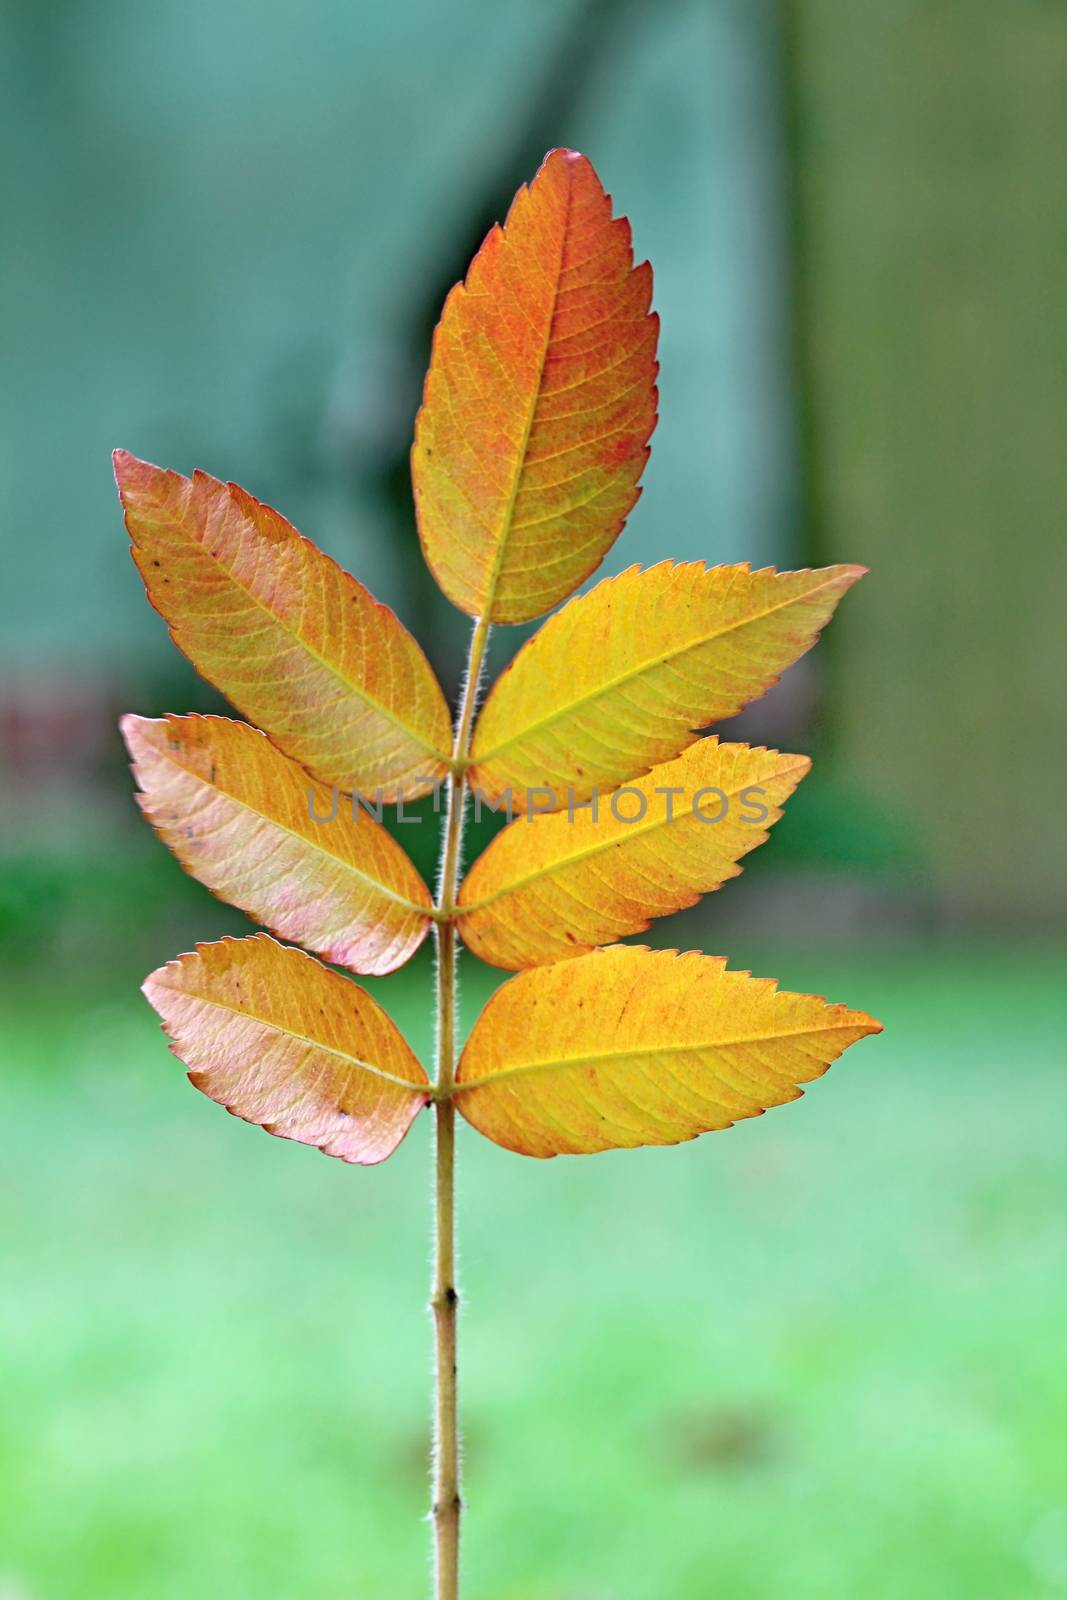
{"x": 445, "y": 1300}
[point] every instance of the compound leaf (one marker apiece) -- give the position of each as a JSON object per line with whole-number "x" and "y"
{"x": 281, "y": 1041}
{"x": 549, "y": 887}
{"x": 630, "y": 1046}
{"x": 539, "y": 402}
{"x": 251, "y": 825}
{"x": 293, "y": 641}
{"x": 619, "y": 679}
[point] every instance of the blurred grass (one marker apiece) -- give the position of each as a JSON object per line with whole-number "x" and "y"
{"x": 816, "y": 1357}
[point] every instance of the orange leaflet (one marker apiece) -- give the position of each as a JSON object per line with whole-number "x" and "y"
{"x": 539, "y": 402}
{"x": 296, "y": 644}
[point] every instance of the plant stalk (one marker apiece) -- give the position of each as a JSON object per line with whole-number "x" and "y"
{"x": 444, "y": 1302}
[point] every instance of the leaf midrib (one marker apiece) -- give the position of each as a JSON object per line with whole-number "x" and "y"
{"x": 658, "y": 659}
{"x": 592, "y": 1059}
{"x": 508, "y": 513}
{"x": 302, "y": 1038}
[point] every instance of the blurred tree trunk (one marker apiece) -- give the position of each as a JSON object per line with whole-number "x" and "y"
{"x": 928, "y": 144}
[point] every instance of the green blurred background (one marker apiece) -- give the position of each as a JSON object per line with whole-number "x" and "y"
{"x": 822, "y": 1356}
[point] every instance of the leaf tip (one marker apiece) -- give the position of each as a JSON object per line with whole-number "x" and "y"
{"x": 129, "y": 469}
{"x": 134, "y": 730}
{"x": 563, "y": 153}
{"x": 849, "y": 573}
{"x": 856, "y": 1021}
{"x": 151, "y": 987}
